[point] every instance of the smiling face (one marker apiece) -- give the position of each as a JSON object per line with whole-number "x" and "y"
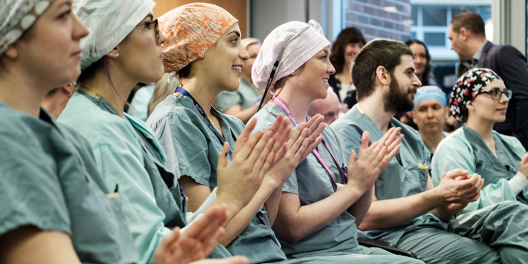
{"x": 420, "y": 57}
{"x": 351, "y": 50}
{"x": 252, "y": 51}
{"x": 402, "y": 87}
{"x": 50, "y": 51}
{"x": 222, "y": 63}
{"x": 140, "y": 55}
{"x": 430, "y": 116}
{"x": 483, "y": 107}
{"x": 313, "y": 77}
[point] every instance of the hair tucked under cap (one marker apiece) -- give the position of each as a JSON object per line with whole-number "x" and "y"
{"x": 191, "y": 30}
{"x": 297, "y": 52}
{"x": 109, "y": 22}
{"x": 17, "y": 16}
{"x": 467, "y": 87}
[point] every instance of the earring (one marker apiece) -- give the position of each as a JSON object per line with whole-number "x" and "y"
{"x": 116, "y": 55}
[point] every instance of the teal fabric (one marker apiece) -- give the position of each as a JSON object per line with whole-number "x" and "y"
{"x": 139, "y": 105}
{"x": 430, "y": 149}
{"x": 312, "y": 183}
{"x": 121, "y": 161}
{"x": 192, "y": 149}
{"x": 466, "y": 149}
{"x": 246, "y": 96}
{"x": 50, "y": 180}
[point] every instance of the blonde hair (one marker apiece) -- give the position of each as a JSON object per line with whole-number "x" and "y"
{"x": 162, "y": 90}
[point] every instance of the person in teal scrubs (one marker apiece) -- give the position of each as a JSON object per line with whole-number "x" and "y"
{"x": 321, "y": 202}
{"x": 407, "y": 209}
{"x": 126, "y": 151}
{"x": 476, "y": 147}
{"x": 430, "y": 114}
{"x": 56, "y": 207}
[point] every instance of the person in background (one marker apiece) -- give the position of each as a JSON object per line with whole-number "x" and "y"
{"x": 139, "y": 104}
{"x": 480, "y": 98}
{"x": 162, "y": 90}
{"x": 242, "y": 103}
{"x": 430, "y": 114}
{"x": 422, "y": 61}
{"x": 56, "y": 99}
{"x": 468, "y": 39}
{"x": 328, "y": 107}
{"x": 348, "y": 43}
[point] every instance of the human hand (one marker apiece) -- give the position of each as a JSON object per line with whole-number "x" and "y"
{"x": 249, "y": 164}
{"x": 316, "y": 126}
{"x": 196, "y": 242}
{"x": 231, "y": 260}
{"x": 523, "y": 166}
{"x": 455, "y": 208}
{"x": 457, "y": 187}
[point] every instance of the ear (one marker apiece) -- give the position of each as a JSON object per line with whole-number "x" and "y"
{"x": 447, "y": 111}
{"x": 11, "y": 53}
{"x": 470, "y": 106}
{"x": 67, "y": 88}
{"x": 412, "y": 115}
{"x": 112, "y": 53}
{"x": 464, "y": 33}
{"x": 382, "y": 76}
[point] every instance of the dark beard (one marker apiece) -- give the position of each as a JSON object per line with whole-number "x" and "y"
{"x": 396, "y": 100}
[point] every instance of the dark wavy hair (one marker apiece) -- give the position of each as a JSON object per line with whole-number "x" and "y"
{"x": 347, "y": 36}
{"x": 428, "y": 66}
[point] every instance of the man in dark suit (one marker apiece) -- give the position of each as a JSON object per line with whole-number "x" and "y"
{"x": 468, "y": 38}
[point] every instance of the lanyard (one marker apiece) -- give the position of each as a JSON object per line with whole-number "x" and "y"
{"x": 342, "y": 168}
{"x": 202, "y": 112}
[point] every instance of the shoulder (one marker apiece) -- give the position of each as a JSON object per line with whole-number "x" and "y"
{"x": 349, "y": 122}
{"x": 174, "y": 107}
{"x": 456, "y": 141}
{"x": 234, "y": 123}
{"x": 513, "y": 143}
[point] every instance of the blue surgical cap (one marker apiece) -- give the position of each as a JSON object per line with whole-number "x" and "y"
{"x": 428, "y": 93}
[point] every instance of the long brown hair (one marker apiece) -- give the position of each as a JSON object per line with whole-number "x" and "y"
{"x": 349, "y": 35}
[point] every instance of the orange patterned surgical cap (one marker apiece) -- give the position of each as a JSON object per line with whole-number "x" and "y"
{"x": 191, "y": 30}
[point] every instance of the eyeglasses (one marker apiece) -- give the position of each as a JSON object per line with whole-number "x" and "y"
{"x": 497, "y": 94}
{"x": 311, "y": 24}
{"x": 156, "y": 28}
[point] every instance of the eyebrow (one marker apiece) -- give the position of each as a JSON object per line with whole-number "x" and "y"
{"x": 234, "y": 31}
{"x": 151, "y": 16}
{"x": 326, "y": 52}
{"x": 410, "y": 69}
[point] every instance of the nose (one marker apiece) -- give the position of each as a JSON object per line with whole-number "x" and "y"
{"x": 162, "y": 37}
{"x": 504, "y": 99}
{"x": 330, "y": 67}
{"x": 79, "y": 29}
{"x": 429, "y": 113}
{"x": 415, "y": 81}
{"x": 243, "y": 54}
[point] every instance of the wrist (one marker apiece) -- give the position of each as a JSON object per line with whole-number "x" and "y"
{"x": 234, "y": 204}
{"x": 433, "y": 197}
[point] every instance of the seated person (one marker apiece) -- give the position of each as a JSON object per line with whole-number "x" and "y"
{"x": 430, "y": 114}
{"x": 482, "y": 100}
{"x": 56, "y": 100}
{"x": 321, "y": 203}
{"x": 242, "y": 103}
{"x": 407, "y": 209}
{"x": 327, "y": 107}
{"x": 55, "y": 205}
{"x": 139, "y": 105}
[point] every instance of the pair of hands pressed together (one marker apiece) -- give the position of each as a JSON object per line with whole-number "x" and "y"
{"x": 457, "y": 189}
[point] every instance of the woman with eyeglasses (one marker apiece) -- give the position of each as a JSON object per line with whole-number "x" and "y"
{"x": 480, "y": 98}
{"x": 322, "y": 202}
{"x": 124, "y": 48}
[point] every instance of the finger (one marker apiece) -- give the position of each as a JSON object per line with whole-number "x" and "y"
{"x": 365, "y": 139}
{"x": 314, "y": 119}
{"x": 283, "y": 136}
{"x": 207, "y": 224}
{"x": 452, "y": 174}
{"x": 280, "y": 154}
{"x": 352, "y": 159}
{"x": 260, "y": 151}
{"x": 395, "y": 143}
{"x": 313, "y": 134}
{"x": 244, "y": 136}
{"x": 311, "y": 147}
{"x": 246, "y": 150}
{"x": 169, "y": 240}
{"x": 388, "y": 157}
{"x": 387, "y": 134}
{"x": 222, "y": 157}
{"x": 299, "y": 141}
{"x": 525, "y": 159}
{"x": 295, "y": 134}
{"x": 317, "y": 122}
{"x": 268, "y": 164}
{"x": 373, "y": 152}
{"x": 210, "y": 244}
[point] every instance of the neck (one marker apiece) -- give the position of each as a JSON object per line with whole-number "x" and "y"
{"x": 475, "y": 45}
{"x": 297, "y": 102}
{"x": 483, "y": 127}
{"x": 100, "y": 84}
{"x": 432, "y": 138}
{"x": 202, "y": 91}
{"x": 372, "y": 108}
{"x": 21, "y": 92}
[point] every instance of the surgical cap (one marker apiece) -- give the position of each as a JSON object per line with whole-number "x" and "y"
{"x": 17, "y": 16}
{"x": 430, "y": 92}
{"x": 191, "y": 30}
{"x": 467, "y": 87}
{"x": 249, "y": 41}
{"x": 109, "y": 22}
{"x": 296, "y": 53}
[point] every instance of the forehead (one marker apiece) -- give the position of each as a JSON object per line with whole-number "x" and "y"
{"x": 429, "y": 103}
{"x": 416, "y": 48}
{"x": 494, "y": 84}
{"x": 406, "y": 62}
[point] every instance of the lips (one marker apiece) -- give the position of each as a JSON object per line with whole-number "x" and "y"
{"x": 502, "y": 110}
{"x": 77, "y": 54}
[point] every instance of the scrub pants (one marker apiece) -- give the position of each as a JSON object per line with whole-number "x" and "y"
{"x": 495, "y": 234}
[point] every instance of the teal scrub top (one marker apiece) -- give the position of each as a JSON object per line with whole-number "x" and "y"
{"x": 192, "y": 150}
{"x": 50, "y": 181}
{"x": 121, "y": 161}
{"x": 406, "y": 173}
{"x": 139, "y": 105}
{"x": 246, "y": 96}
{"x": 312, "y": 183}
{"x": 466, "y": 149}
{"x": 430, "y": 149}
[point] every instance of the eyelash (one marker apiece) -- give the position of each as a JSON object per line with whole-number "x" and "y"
{"x": 234, "y": 40}
{"x": 65, "y": 14}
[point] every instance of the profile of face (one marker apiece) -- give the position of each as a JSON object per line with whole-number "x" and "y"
{"x": 402, "y": 87}
{"x": 314, "y": 75}
{"x": 458, "y": 43}
{"x": 327, "y": 107}
{"x": 222, "y": 63}
{"x": 420, "y": 57}
{"x": 351, "y": 50}
{"x": 50, "y": 51}
{"x": 140, "y": 53}
{"x": 430, "y": 116}
{"x": 484, "y": 107}
{"x": 252, "y": 51}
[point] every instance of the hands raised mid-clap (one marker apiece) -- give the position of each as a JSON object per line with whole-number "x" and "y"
{"x": 372, "y": 159}
{"x": 196, "y": 242}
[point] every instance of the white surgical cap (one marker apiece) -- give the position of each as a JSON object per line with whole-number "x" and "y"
{"x": 297, "y": 52}
{"x": 109, "y": 21}
{"x": 17, "y": 16}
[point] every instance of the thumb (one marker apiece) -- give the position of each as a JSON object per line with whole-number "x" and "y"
{"x": 525, "y": 159}
{"x": 352, "y": 159}
{"x": 222, "y": 157}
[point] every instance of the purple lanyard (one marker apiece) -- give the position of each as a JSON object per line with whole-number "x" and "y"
{"x": 276, "y": 99}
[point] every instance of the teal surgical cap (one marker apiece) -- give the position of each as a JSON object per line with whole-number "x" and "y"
{"x": 428, "y": 93}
